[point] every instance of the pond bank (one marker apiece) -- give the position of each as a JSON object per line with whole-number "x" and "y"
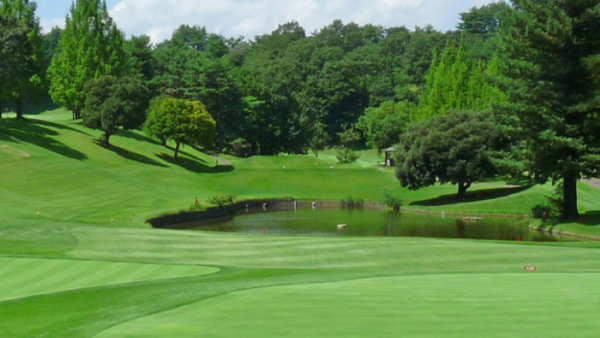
{"x": 288, "y": 204}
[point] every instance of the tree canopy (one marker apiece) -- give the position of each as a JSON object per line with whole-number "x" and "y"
{"x": 182, "y": 121}
{"x": 91, "y": 46}
{"x": 456, "y": 148}
{"x": 27, "y": 76}
{"x": 112, "y": 103}
{"x": 551, "y": 73}
{"x": 382, "y": 126}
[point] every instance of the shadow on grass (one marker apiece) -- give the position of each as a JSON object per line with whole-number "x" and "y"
{"x": 473, "y": 196}
{"x": 59, "y": 126}
{"x": 189, "y": 155}
{"x": 591, "y": 218}
{"x": 194, "y": 166}
{"x": 26, "y": 131}
{"x": 135, "y": 136}
{"x": 129, "y": 155}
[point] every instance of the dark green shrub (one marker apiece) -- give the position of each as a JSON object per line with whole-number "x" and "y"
{"x": 223, "y": 201}
{"x": 392, "y": 200}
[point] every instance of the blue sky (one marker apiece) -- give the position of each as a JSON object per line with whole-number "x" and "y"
{"x": 248, "y": 18}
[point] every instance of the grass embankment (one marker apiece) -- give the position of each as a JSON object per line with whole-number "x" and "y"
{"x": 69, "y": 270}
{"x": 53, "y": 166}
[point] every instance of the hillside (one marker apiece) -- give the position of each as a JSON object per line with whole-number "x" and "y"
{"x": 54, "y": 172}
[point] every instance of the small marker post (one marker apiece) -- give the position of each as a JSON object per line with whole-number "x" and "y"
{"x": 519, "y": 239}
{"x": 264, "y": 231}
{"x": 380, "y": 234}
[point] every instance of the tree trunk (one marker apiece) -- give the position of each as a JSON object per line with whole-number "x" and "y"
{"x": 176, "y": 150}
{"x": 106, "y": 140}
{"x": 462, "y": 189}
{"x": 19, "y": 107}
{"x": 570, "y": 197}
{"x": 76, "y": 114}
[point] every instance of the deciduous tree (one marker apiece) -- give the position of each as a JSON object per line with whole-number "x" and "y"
{"x": 112, "y": 103}
{"x": 28, "y": 62}
{"x": 456, "y": 148}
{"x": 382, "y": 126}
{"x": 184, "y": 122}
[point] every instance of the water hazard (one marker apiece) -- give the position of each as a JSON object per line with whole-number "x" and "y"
{"x": 335, "y": 222}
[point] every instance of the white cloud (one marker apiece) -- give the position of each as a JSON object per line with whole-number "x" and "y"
{"x": 248, "y": 18}
{"x": 48, "y": 24}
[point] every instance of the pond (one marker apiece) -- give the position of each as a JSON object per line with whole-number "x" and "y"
{"x": 324, "y": 222}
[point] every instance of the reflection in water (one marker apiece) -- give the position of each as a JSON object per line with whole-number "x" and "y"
{"x": 324, "y": 222}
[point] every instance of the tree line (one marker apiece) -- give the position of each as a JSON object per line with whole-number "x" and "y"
{"x": 513, "y": 90}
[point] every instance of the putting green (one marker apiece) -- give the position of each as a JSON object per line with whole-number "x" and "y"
{"x": 23, "y": 277}
{"x": 479, "y": 305}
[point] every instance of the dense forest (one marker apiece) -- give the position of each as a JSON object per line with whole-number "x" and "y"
{"x": 513, "y": 90}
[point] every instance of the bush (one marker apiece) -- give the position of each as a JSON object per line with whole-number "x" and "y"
{"x": 195, "y": 207}
{"x": 222, "y": 201}
{"x": 553, "y": 205}
{"x": 538, "y": 211}
{"x": 392, "y": 200}
{"x": 346, "y": 155}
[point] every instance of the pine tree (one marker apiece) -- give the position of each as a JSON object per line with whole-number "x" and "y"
{"x": 456, "y": 81}
{"x": 91, "y": 46}
{"x": 551, "y": 70}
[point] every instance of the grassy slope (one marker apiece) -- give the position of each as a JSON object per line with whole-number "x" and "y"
{"x": 150, "y": 281}
{"x": 53, "y": 167}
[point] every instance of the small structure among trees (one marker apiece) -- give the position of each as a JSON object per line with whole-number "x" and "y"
{"x": 389, "y": 157}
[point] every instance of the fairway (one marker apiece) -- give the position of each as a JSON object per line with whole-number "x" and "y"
{"x": 77, "y": 259}
{"x": 28, "y": 277}
{"x": 501, "y": 305}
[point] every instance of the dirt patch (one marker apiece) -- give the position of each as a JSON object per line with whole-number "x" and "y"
{"x": 14, "y": 152}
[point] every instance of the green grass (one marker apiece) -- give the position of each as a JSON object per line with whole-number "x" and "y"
{"x": 77, "y": 259}
{"x": 413, "y": 306}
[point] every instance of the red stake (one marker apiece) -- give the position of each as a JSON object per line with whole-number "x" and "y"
{"x": 264, "y": 231}
{"x": 519, "y": 239}
{"x": 380, "y": 234}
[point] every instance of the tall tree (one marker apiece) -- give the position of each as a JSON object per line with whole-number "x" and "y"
{"x": 140, "y": 58}
{"x": 51, "y": 42}
{"x": 551, "y": 71}
{"x": 209, "y": 79}
{"x": 90, "y": 46}
{"x": 28, "y": 81}
{"x": 13, "y": 37}
{"x": 382, "y": 126}
{"x": 112, "y": 103}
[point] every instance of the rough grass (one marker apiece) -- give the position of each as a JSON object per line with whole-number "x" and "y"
{"x": 76, "y": 259}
